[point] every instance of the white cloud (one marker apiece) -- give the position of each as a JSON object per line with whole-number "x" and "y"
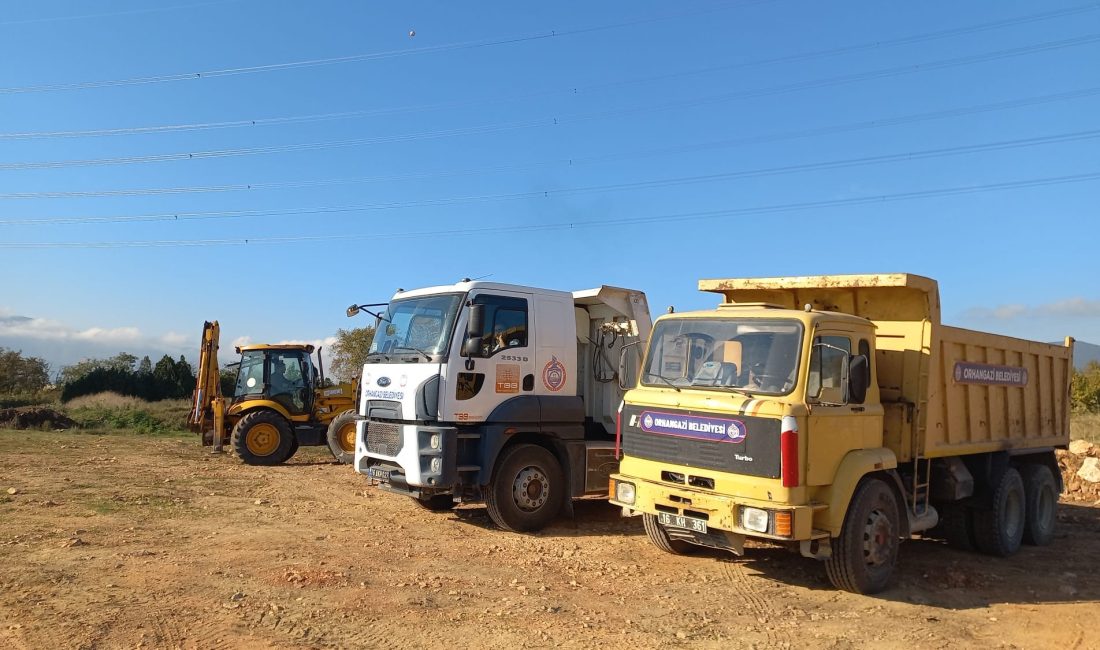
{"x": 1068, "y": 308}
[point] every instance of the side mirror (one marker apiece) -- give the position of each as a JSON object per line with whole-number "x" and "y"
{"x": 353, "y": 310}
{"x": 624, "y": 385}
{"x": 475, "y": 325}
{"x": 859, "y": 376}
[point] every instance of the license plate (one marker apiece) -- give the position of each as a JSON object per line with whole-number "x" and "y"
{"x": 680, "y": 521}
{"x": 378, "y": 474}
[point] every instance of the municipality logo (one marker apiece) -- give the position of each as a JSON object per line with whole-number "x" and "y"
{"x": 736, "y": 431}
{"x": 647, "y": 421}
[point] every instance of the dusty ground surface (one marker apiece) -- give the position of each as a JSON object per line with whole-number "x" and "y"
{"x": 126, "y": 541}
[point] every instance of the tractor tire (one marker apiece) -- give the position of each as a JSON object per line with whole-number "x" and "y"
{"x": 1040, "y": 504}
{"x": 436, "y": 502}
{"x": 293, "y": 450}
{"x": 998, "y": 530}
{"x": 263, "y": 438}
{"x": 865, "y": 552}
{"x": 527, "y": 488}
{"x": 659, "y": 536}
{"x": 341, "y": 437}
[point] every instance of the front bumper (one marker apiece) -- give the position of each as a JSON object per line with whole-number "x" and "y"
{"x": 419, "y": 466}
{"x": 721, "y": 512}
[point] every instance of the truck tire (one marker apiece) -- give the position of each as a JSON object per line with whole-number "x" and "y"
{"x": 436, "y": 502}
{"x": 341, "y": 437}
{"x": 998, "y": 530}
{"x": 956, "y": 526}
{"x": 263, "y": 438}
{"x": 1040, "y": 504}
{"x": 865, "y": 552}
{"x": 526, "y": 491}
{"x": 659, "y": 536}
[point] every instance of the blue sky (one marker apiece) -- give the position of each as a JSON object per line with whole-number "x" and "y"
{"x": 466, "y": 132}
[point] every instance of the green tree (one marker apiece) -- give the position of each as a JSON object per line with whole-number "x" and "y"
{"x": 123, "y": 361}
{"x": 349, "y": 352}
{"x": 145, "y": 367}
{"x": 20, "y": 374}
{"x": 1085, "y": 389}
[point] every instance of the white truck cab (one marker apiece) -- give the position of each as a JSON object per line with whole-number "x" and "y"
{"x": 496, "y": 392}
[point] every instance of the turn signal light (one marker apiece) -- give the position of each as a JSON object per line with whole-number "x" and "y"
{"x": 784, "y": 524}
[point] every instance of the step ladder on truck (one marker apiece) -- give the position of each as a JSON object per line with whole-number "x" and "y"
{"x": 498, "y": 393}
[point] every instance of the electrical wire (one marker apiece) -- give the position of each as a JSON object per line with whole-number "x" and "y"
{"x": 572, "y": 225}
{"x": 550, "y": 193}
{"x": 369, "y": 56}
{"x": 580, "y": 117}
{"x": 404, "y": 110}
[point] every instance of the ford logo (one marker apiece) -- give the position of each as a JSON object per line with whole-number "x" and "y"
{"x": 383, "y": 381}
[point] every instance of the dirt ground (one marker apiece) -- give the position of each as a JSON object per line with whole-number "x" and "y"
{"x": 127, "y": 541}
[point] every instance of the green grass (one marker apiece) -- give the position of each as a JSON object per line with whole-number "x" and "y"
{"x": 108, "y": 412}
{"x": 1085, "y": 426}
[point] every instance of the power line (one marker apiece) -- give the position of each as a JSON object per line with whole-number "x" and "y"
{"x": 318, "y": 117}
{"x": 570, "y": 225}
{"x": 580, "y": 117}
{"x": 370, "y": 56}
{"x": 551, "y": 193}
{"x": 916, "y": 155}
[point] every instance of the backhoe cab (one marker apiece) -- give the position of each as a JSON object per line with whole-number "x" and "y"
{"x": 279, "y": 402}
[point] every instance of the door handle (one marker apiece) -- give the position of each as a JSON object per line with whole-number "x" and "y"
{"x": 857, "y": 409}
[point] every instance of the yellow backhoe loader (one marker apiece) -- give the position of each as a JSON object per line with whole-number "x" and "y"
{"x": 279, "y": 402}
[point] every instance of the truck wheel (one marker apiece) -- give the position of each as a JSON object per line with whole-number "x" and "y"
{"x": 436, "y": 502}
{"x": 866, "y": 550}
{"x": 526, "y": 490}
{"x": 1040, "y": 504}
{"x": 263, "y": 438}
{"x": 341, "y": 437}
{"x": 999, "y": 530}
{"x": 956, "y": 526}
{"x": 659, "y": 536}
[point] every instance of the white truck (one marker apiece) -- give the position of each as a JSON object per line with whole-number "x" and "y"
{"x": 480, "y": 391}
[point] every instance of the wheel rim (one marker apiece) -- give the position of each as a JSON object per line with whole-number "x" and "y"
{"x": 878, "y": 537}
{"x": 346, "y": 436}
{"x": 262, "y": 439}
{"x": 531, "y": 489}
{"x": 1013, "y": 514}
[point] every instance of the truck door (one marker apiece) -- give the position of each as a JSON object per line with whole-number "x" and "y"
{"x": 503, "y": 364}
{"x": 836, "y": 424}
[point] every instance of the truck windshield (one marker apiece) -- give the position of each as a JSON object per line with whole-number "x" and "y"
{"x": 417, "y": 325}
{"x": 749, "y": 355}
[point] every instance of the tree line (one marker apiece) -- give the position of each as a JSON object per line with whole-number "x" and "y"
{"x": 126, "y": 374}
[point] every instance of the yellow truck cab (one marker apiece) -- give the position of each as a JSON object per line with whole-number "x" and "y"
{"x": 836, "y": 415}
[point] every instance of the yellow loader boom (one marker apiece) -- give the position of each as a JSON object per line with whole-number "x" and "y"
{"x": 207, "y": 404}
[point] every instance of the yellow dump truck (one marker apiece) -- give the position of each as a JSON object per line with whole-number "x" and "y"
{"x": 836, "y": 415}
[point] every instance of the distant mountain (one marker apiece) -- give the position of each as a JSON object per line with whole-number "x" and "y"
{"x": 1084, "y": 353}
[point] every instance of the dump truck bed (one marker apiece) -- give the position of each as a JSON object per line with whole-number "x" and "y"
{"x": 946, "y": 391}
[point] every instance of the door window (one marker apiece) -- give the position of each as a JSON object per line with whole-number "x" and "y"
{"x": 505, "y": 323}
{"x": 828, "y": 365}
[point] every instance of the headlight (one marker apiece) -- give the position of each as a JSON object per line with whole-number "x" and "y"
{"x": 435, "y": 441}
{"x": 754, "y": 519}
{"x": 437, "y": 465}
{"x": 624, "y": 492}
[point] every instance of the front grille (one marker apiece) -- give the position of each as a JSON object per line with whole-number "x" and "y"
{"x": 383, "y": 438}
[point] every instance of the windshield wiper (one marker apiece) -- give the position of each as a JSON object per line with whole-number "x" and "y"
{"x": 667, "y": 381}
{"x": 408, "y": 347}
{"x": 381, "y": 354}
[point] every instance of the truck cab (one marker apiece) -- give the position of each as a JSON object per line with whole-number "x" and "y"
{"x": 500, "y": 393}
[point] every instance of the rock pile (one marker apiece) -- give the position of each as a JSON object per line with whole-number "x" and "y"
{"x": 1080, "y": 467}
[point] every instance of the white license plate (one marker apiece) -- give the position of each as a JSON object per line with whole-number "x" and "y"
{"x": 378, "y": 474}
{"x": 680, "y": 521}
